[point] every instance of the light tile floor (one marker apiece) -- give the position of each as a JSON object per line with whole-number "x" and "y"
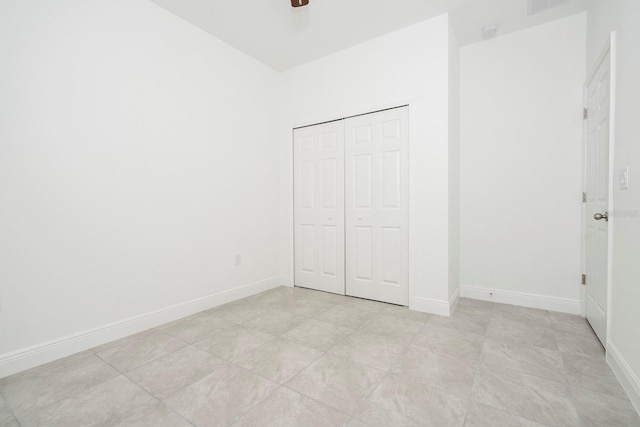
{"x": 295, "y": 357}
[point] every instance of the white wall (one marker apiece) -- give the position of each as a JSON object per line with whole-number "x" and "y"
{"x": 521, "y": 133}
{"x": 138, "y": 156}
{"x": 623, "y": 347}
{"x": 406, "y": 66}
{"x": 454, "y": 167}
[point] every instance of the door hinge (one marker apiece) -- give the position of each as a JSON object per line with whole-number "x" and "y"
{"x": 584, "y": 197}
{"x": 584, "y": 279}
{"x": 585, "y": 113}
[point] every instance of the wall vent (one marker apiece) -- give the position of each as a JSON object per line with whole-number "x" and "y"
{"x": 537, "y": 6}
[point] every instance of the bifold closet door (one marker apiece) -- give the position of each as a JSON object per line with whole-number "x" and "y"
{"x": 377, "y": 206}
{"x": 319, "y": 207}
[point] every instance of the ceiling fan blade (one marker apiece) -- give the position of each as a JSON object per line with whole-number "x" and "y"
{"x": 298, "y": 3}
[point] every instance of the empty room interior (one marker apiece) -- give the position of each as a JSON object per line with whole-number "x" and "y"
{"x": 319, "y": 213}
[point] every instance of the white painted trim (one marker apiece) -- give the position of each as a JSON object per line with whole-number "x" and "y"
{"x": 563, "y": 305}
{"x": 625, "y": 374}
{"x": 26, "y": 358}
{"x": 453, "y": 300}
{"x": 428, "y": 305}
{"x": 611, "y": 177}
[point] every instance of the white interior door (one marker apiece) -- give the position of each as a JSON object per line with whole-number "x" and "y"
{"x": 319, "y": 207}
{"x": 377, "y": 205}
{"x": 597, "y": 197}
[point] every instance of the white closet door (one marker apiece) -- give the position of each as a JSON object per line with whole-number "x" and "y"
{"x": 377, "y": 206}
{"x": 319, "y": 207}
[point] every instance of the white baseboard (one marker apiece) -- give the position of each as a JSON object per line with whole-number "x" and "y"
{"x": 432, "y": 306}
{"x": 522, "y": 299}
{"x": 625, "y": 374}
{"x": 26, "y": 358}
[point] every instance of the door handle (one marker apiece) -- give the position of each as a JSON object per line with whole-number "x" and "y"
{"x": 600, "y": 216}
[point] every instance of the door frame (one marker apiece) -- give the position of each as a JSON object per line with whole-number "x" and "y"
{"x": 608, "y": 49}
{"x": 402, "y": 102}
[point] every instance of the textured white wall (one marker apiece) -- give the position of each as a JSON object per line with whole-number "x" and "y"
{"x": 623, "y": 16}
{"x": 406, "y": 66}
{"x": 137, "y": 157}
{"x": 521, "y": 136}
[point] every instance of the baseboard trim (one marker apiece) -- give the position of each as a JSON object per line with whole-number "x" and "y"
{"x": 522, "y": 299}
{"x": 432, "y": 306}
{"x": 625, "y": 374}
{"x": 26, "y": 358}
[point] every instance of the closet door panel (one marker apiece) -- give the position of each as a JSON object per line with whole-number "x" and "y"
{"x": 377, "y": 206}
{"x": 319, "y": 207}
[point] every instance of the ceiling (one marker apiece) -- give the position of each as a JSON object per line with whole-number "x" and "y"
{"x": 283, "y": 37}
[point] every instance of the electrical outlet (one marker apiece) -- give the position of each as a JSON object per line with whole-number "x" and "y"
{"x": 238, "y": 259}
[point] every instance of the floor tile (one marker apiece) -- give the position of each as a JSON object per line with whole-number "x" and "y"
{"x": 392, "y": 326}
{"x": 570, "y": 323}
{"x": 400, "y": 400}
{"x": 220, "y": 397}
{"x": 288, "y": 408}
{"x": 6, "y": 415}
{"x": 165, "y": 376}
{"x": 447, "y": 372}
{"x": 527, "y": 334}
{"x": 279, "y": 360}
{"x": 535, "y": 398}
{"x": 592, "y": 374}
{"x": 238, "y": 312}
{"x": 46, "y": 384}
{"x": 107, "y": 403}
{"x": 479, "y": 415}
{"x": 345, "y": 316}
{"x": 354, "y": 422}
{"x": 134, "y": 351}
{"x": 162, "y": 417}
{"x": 474, "y": 306}
{"x": 405, "y": 313}
{"x": 525, "y": 315}
{"x": 506, "y": 353}
{"x": 375, "y": 350}
{"x": 597, "y": 410}
{"x": 448, "y": 340}
{"x": 327, "y": 297}
{"x": 580, "y": 344}
{"x": 337, "y": 381}
{"x": 363, "y": 304}
{"x": 196, "y": 328}
{"x": 235, "y": 342}
{"x": 462, "y": 321}
{"x": 300, "y": 307}
{"x": 274, "y": 322}
{"x": 318, "y": 334}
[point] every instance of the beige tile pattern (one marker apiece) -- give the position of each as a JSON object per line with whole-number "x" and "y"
{"x": 287, "y": 408}
{"x": 293, "y": 356}
{"x": 107, "y": 403}
{"x": 338, "y": 382}
{"x": 401, "y": 400}
{"x": 318, "y": 334}
{"x": 165, "y": 376}
{"x": 40, "y": 387}
{"x": 222, "y": 396}
{"x": 535, "y": 398}
{"x": 136, "y": 350}
{"x": 479, "y": 415}
{"x": 279, "y": 360}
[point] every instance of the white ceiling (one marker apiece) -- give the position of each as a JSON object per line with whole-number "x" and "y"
{"x": 283, "y": 37}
